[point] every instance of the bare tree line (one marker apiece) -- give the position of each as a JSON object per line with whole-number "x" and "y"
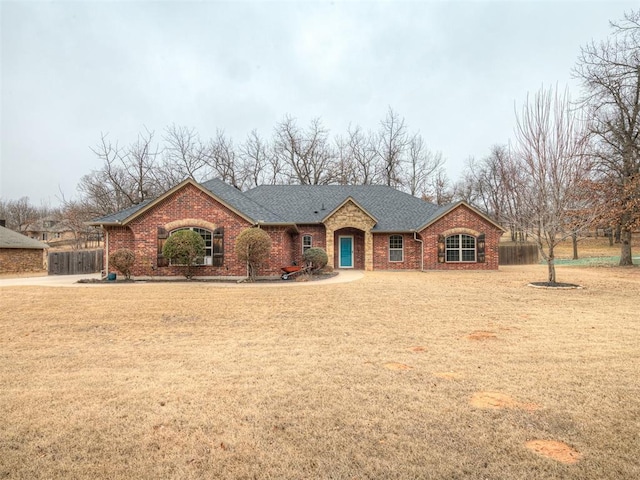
{"x": 294, "y": 154}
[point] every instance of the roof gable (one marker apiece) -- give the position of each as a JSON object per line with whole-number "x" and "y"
{"x": 225, "y": 194}
{"x": 447, "y": 209}
{"x": 346, "y": 201}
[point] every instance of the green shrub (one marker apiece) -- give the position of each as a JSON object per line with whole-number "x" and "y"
{"x": 122, "y": 260}
{"x": 184, "y": 248}
{"x": 252, "y": 247}
{"x": 317, "y": 257}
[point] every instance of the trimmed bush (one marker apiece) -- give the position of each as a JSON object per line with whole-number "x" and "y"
{"x": 184, "y": 248}
{"x": 253, "y": 246}
{"x": 317, "y": 257}
{"x": 122, "y": 260}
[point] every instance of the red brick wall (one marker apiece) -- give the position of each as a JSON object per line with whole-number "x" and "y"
{"x": 190, "y": 202}
{"x": 281, "y": 253}
{"x": 461, "y": 217}
{"x": 318, "y": 239}
{"x": 411, "y": 252}
{"x": 21, "y": 260}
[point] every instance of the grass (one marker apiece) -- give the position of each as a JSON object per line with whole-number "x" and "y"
{"x": 370, "y": 379}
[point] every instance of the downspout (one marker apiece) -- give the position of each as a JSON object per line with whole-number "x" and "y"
{"x": 421, "y": 250}
{"x": 106, "y": 250}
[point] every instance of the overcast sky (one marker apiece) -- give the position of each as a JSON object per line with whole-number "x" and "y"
{"x": 453, "y": 70}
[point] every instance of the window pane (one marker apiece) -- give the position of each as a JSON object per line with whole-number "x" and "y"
{"x": 453, "y": 255}
{"x": 468, "y": 255}
{"x": 395, "y": 255}
{"x": 453, "y": 241}
{"x": 468, "y": 241}
{"x": 395, "y": 241}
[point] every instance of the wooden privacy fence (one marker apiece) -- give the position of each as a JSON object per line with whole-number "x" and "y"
{"x": 75, "y": 262}
{"x": 518, "y": 254}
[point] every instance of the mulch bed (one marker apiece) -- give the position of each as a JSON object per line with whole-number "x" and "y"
{"x": 557, "y": 285}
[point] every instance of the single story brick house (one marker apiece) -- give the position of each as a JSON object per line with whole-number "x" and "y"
{"x": 367, "y": 227}
{"x": 20, "y": 254}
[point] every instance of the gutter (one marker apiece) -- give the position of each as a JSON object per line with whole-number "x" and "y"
{"x": 421, "y": 250}
{"x": 106, "y": 249}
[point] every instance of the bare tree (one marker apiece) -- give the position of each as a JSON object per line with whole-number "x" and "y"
{"x": 185, "y": 156}
{"x": 610, "y": 74}
{"x": 344, "y": 169}
{"x": 254, "y": 158}
{"x": 393, "y": 140}
{"x": 18, "y": 213}
{"x": 485, "y": 184}
{"x": 424, "y": 167}
{"x": 551, "y": 152}
{"x": 128, "y": 175}
{"x": 361, "y": 149}
{"x": 308, "y": 155}
{"x": 224, "y": 161}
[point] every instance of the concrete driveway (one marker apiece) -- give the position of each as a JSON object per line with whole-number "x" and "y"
{"x": 47, "y": 280}
{"x": 71, "y": 281}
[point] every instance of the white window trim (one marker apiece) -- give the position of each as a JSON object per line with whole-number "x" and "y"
{"x": 460, "y": 249}
{"x": 310, "y": 242}
{"x": 396, "y": 249}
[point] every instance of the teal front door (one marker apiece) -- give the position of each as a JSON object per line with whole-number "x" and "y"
{"x": 346, "y": 252}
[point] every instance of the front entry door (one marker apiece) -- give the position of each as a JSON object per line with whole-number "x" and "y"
{"x": 346, "y": 252}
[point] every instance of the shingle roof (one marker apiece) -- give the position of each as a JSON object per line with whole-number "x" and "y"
{"x": 11, "y": 239}
{"x": 243, "y": 203}
{"x": 395, "y": 211}
{"x": 121, "y": 215}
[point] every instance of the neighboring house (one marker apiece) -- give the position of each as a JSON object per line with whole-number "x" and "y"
{"x": 61, "y": 233}
{"x": 367, "y": 227}
{"x": 20, "y": 254}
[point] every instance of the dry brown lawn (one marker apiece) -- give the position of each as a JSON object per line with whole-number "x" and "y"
{"x": 445, "y": 375}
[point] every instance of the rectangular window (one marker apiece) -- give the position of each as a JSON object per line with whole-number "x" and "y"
{"x": 307, "y": 242}
{"x": 396, "y": 251}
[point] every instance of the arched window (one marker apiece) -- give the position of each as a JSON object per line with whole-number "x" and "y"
{"x": 307, "y": 243}
{"x": 213, "y": 245}
{"x": 460, "y": 248}
{"x": 396, "y": 250}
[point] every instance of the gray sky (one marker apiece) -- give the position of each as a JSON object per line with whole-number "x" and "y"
{"x": 453, "y": 70}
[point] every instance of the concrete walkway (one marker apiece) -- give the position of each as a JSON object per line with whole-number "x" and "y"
{"x": 343, "y": 276}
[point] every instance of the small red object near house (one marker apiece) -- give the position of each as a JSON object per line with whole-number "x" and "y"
{"x": 292, "y": 271}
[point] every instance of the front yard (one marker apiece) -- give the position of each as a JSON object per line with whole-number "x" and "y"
{"x": 398, "y": 375}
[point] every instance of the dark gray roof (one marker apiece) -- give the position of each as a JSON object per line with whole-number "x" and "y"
{"x": 394, "y": 210}
{"x": 243, "y": 203}
{"x": 11, "y": 239}
{"x": 121, "y": 215}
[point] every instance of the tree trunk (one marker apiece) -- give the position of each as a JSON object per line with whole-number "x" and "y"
{"x": 625, "y": 248}
{"x": 551, "y": 265}
{"x": 574, "y": 239}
